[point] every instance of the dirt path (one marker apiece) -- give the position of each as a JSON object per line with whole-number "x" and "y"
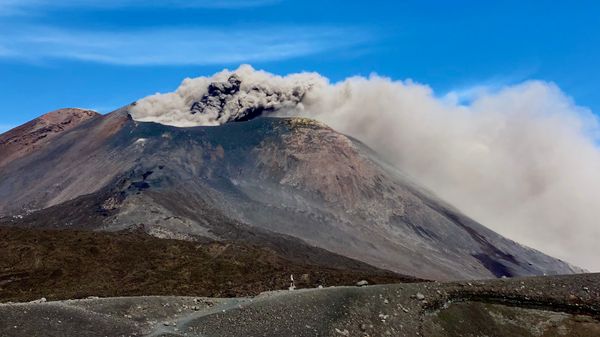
{"x": 543, "y": 306}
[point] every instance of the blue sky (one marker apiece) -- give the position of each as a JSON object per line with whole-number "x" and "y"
{"x": 103, "y": 54}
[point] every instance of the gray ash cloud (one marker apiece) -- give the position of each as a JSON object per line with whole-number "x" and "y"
{"x": 228, "y": 96}
{"x": 230, "y": 102}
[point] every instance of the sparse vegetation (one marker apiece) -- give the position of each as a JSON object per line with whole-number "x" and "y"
{"x": 76, "y": 264}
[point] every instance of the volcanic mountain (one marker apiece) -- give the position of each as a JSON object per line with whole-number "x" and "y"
{"x": 290, "y": 183}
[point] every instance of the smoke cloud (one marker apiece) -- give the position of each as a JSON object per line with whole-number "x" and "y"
{"x": 228, "y": 96}
{"x": 523, "y": 160}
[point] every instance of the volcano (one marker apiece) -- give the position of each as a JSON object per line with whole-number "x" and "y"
{"x": 292, "y": 181}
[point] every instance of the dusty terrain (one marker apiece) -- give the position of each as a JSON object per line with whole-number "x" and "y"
{"x": 71, "y": 264}
{"x": 542, "y": 306}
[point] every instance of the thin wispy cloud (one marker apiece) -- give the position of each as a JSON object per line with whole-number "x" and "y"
{"x": 20, "y": 7}
{"x": 174, "y": 46}
{"x": 4, "y": 51}
{"x": 5, "y": 127}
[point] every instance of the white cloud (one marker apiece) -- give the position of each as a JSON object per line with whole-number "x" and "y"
{"x": 174, "y": 46}
{"x": 12, "y": 7}
{"x": 522, "y": 159}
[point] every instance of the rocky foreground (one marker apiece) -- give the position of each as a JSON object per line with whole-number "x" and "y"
{"x": 541, "y": 306}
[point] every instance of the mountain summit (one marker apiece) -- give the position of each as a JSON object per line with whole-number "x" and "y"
{"x": 257, "y": 181}
{"x": 30, "y": 136}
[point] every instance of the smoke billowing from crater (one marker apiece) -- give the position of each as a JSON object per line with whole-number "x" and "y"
{"x": 523, "y": 160}
{"x": 227, "y": 97}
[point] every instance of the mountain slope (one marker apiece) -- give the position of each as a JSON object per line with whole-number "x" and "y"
{"x": 261, "y": 178}
{"x": 67, "y": 264}
{"x": 27, "y": 138}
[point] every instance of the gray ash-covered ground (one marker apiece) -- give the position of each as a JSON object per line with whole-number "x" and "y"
{"x": 541, "y": 306}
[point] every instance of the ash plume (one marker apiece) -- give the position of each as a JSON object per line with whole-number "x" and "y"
{"x": 226, "y": 97}
{"x": 523, "y": 160}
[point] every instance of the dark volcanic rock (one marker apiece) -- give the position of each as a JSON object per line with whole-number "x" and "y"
{"x": 69, "y": 264}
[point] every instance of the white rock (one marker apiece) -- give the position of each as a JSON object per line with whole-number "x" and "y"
{"x": 41, "y": 300}
{"x": 342, "y": 332}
